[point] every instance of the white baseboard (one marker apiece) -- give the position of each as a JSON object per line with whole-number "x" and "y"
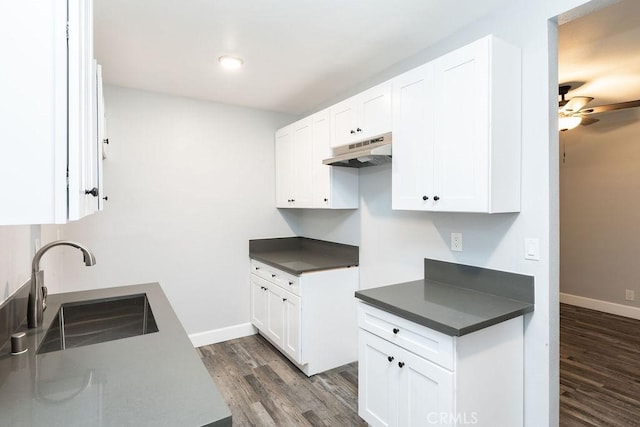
{"x": 604, "y": 306}
{"x": 223, "y": 334}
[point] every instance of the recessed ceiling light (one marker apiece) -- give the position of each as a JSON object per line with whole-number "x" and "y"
{"x": 230, "y": 62}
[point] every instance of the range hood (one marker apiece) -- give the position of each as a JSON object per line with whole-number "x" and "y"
{"x": 370, "y": 152}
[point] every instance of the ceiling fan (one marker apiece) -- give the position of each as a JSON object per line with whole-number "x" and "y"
{"x": 572, "y": 112}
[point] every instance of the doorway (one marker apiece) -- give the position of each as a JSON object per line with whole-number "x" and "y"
{"x": 599, "y": 174}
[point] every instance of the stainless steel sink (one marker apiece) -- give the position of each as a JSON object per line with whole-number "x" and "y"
{"x": 81, "y": 323}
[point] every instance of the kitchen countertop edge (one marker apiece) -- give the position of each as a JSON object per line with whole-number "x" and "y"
{"x": 517, "y": 308}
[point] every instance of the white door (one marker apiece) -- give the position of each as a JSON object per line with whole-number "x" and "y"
{"x": 425, "y": 396}
{"x": 258, "y": 302}
{"x": 100, "y": 136}
{"x": 81, "y": 118}
{"x": 378, "y": 378}
{"x": 302, "y": 164}
{"x": 292, "y": 326}
{"x": 284, "y": 162}
{"x": 275, "y": 314}
{"x": 462, "y": 129}
{"x": 412, "y": 161}
{"x": 321, "y": 132}
{"x": 343, "y": 122}
{"x": 375, "y": 112}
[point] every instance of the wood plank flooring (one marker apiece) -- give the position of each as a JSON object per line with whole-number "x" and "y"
{"x": 263, "y": 388}
{"x": 599, "y": 378}
{"x": 599, "y": 368}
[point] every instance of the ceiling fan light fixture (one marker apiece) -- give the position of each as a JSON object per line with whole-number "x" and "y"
{"x": 576, "y": 103}
{"x": 568, "y": 122}
{"x": 230, "y": 62}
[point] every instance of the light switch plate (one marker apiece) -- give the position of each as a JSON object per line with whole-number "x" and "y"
{"x": 532, "y": 249}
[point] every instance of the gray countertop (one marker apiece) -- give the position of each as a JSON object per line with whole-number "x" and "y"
{"x": 155, "y": 379}
{"x": 299, "y": 255}
{"x": 463, "y": 300}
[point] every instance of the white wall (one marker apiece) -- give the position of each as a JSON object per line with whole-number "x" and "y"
{"x": 189, "y": 183}
{"x": 599, "y": 209}
{"x": 16, "y": 252}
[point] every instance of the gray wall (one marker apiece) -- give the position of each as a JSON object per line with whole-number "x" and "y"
{"x": 600, "y": 209}
{"x": 189, "y": 183}
{"x": 16, "y": 250}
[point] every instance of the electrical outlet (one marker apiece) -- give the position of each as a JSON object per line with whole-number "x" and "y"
{"x": 456, "y": 242}
{"x": 630, "y": 295}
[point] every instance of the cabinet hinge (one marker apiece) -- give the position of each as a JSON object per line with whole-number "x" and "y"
{"x": 67, "y": 30}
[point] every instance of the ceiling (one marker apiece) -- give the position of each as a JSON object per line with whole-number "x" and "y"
{"x": 599, "y": 54}
{"x": 297, "y": 53}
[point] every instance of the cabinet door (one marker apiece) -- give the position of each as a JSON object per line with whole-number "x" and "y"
{"x": 375, "y": 111}
{"x": 425, "y": 395}
{"x": 321, "y": 127}
{"x": 258, "y": 302}
{"x": 81, "y": 100}
{"x": 275, "y": 314}
{"x": 33, "y": 105}
{"x": 343, "y": 121}
{"x": 284, "y": 162}
{"x": 378, "y": 380}
{"x": 461, "y": 174}
{"x": 101, "y": 136}
{"x": 302, "y": 166}
{"x": 412, "y": 167}
{"x": 291, "y": 341}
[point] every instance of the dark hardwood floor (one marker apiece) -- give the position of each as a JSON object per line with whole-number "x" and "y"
{"x": 262, "y": 388}
{"x": 599, "y": 378}
{"x": 599, "y": 368}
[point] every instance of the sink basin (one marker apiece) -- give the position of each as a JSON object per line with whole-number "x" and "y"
{"x": 81, "y": 323}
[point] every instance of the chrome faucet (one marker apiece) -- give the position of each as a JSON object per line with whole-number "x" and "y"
{"x": 38, "y": 293}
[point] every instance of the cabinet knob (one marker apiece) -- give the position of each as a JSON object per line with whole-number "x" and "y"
{"x": 425, "y": 198}
{"x": 105, "y": 198}
{"x": 396, "y": 330}
{"x": 290, "y": 283}
{"x": 326, "y": 200}
{"x": 401, "y": 364}
{"x": 436, "y": 198}
{"x": 105, "y": 141}
{"x": 273, "y": 275}
{"x": 358, "y": 130}
{"x": 293, "y": 200}
{"x": 284, "y": 299}
{"x": 93, "y": 192}
{"x": 352, "y": 132}
{"x": 257, "y": 268}
{"x": 390, "y": 358}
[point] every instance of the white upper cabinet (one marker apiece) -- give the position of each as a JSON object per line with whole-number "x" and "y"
{"x": 333, "y": 187}
{"x": 302, "y": 181}
{"x": 362, "y": 116}
{"x": 48, "y": 126}
{"x": 413, "y": 110}
{"x": 457, "y": 139}
{"x": 294, "y": 171}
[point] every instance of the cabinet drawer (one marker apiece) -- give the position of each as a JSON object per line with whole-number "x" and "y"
{"x": 432, "y": 345}
{"x": 286, "y": 281}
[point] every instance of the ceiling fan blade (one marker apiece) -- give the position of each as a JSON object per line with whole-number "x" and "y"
{"x": 576, "y": 103}
{"x": 612, "y": 107}
{"x": 586, "y": 121}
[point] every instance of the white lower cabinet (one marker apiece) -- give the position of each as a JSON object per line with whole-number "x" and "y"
{"x": 410, "y": 375}
{"x": 311, "y": 319}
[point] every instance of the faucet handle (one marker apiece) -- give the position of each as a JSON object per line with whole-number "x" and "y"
{"x": 45, "y": 292}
